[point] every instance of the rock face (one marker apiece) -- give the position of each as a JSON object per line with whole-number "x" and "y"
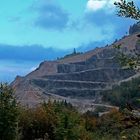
{"x": 84, "y": 76}
{"x": 135, "y": 28}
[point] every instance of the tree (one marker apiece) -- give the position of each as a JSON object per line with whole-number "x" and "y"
{"x": 38, "y": 123}
{"x": 8, "y": 114}
{"x": 74, "y": 51}
{"x": 128, "y": 10}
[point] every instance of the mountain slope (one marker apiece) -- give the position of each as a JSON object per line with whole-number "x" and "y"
{"x": 82, "y": 76}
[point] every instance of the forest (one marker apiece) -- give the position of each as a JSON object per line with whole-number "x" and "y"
{"x": 59, "y": 120}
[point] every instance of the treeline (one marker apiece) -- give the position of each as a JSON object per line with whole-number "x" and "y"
{"x": 74, "y": 53}
{"x": 61, "y": 121}
{"x": 126, "y": 92}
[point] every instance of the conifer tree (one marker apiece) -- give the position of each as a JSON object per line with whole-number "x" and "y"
{"x": 8, "y": 114}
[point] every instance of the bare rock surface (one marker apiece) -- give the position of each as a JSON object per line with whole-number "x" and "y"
{"x": 77, "y": 79}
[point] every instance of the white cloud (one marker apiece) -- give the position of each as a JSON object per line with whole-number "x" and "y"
{"x": 95, "y": 5}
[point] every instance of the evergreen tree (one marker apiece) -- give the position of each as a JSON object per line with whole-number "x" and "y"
{"x": 74, "y": 51}
{"x": 8, "y": 114}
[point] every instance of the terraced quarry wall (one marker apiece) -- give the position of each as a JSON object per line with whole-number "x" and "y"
{"x": 84, "y": 76}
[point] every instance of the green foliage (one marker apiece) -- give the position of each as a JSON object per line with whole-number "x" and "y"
{"x": 128, "y": 60}
{"x": 39, "y": 122}
{"x": 114, "y": 125}
{"x": 8, "y": 114}
{"x": 127, "y": 92}
{"x": 52, "y": 121}
{"x": 70, "y": 124}
{"x": 61, "y": 121}
{"x": 128, "y": 9}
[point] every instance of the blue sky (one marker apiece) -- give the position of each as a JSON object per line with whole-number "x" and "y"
{"x": 40, "y": 27}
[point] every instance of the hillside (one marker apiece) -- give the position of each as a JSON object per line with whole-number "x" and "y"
{"x": 79, "y": 79}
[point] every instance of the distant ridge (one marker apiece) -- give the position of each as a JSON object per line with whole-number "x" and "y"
{"x": 79, "y": 77}
{"x": 134, "y": 28}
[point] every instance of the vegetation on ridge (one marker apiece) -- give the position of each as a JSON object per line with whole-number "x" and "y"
{"x": 74, "y": 53}
{"x": 126, "y": 92}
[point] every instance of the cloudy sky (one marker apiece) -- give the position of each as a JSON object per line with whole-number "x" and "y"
{"x": 32, "y": 30}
